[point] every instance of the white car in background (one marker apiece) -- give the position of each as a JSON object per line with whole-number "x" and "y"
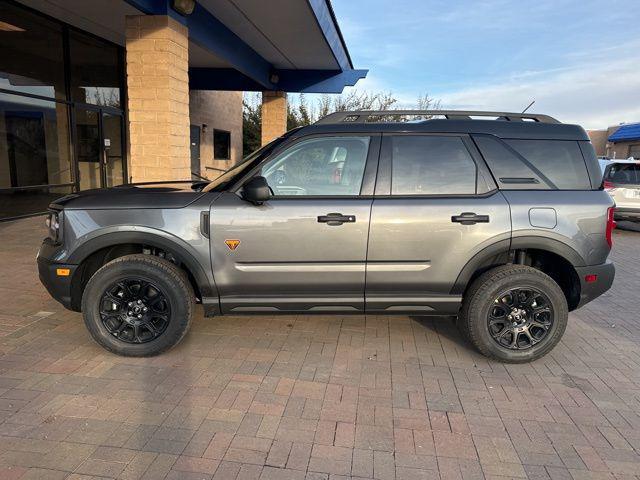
{"x": 621, "y": 179}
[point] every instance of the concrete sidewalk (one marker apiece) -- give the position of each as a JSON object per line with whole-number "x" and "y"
{"x": 313, "y": 397}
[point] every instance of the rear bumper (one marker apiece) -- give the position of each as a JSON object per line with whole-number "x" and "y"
{"x": 589, "y": 291}
{"x": 626, "y": 213}
{"x": 58, "y": 286}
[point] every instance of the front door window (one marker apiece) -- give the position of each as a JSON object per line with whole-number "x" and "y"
{"x": 328, "y": 166}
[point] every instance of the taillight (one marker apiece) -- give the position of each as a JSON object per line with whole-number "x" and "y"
{"x": 607, "y": 185}
{"x": 611, "y": 224}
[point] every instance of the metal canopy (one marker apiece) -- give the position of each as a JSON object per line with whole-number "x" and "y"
{"x": 289, "y": 45}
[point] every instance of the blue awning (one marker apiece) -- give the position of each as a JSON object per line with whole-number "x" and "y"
{"x": 626, "y": 133}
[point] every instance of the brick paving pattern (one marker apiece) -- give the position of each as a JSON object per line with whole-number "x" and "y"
{"x": 313, "y": 397}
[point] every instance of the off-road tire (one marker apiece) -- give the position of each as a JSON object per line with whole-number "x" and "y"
{"x": 168, "y": 277}
{"x": 479, "y": 298}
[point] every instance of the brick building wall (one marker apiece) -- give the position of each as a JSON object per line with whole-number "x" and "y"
{"x": 274, "y": 115}
{"x": 157, "y": 54}
{"x": 221, "y": 111}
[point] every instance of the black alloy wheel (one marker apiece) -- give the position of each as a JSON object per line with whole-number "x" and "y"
{"x": 135, "y": 310}
{"x": 520, "y": 318}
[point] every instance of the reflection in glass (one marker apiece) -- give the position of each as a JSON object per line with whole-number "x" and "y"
{"x": 34, "y": 142}
{"x": 32, "y": 58}
{"x": 325, "y": 166}
{"x": 112, "y": 131}
{"x": 34, "y": 150}
{"x": 95, "y": 71}
{"x": 88, "y": 149}
{"x": 431, "y": 165}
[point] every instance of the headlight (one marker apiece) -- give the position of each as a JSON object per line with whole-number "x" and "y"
{"x": 53, "y": 226}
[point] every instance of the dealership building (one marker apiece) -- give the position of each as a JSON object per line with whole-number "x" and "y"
{"x": 104, "y": 92}
{"x": 618, "y": 141}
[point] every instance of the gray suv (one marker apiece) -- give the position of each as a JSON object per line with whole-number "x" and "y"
{"x": 499, "y": 219}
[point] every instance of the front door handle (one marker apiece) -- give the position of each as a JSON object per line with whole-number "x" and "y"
{"x": 336, "y": 219}
{"x": 470, "y": 218}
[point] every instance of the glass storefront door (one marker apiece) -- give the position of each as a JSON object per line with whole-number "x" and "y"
{"x": 113, "y": 157}
{"x": 61, "y": 111}
{"x": 88, "y": 151}
{"x": 99, "y": 148}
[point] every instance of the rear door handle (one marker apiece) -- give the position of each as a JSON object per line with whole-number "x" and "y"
{"x": 470, "y": 218}
{"x": 336, "y": 219}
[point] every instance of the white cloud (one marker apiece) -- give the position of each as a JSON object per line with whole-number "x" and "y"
{"x": 594, "y": 95}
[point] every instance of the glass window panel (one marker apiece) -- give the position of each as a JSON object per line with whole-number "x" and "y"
{"x": 88, "y": 150}
{"x": 32, "y": 53}
{"x": 508, "y": 169}
{"x": 624, "y": 174}
{"x": 322, "y": 166}
{"x": 114, "y": 160}
{"x": 559, "y": 160}
{"x": 95, "y": 70}
{"x": 34, "y": 142}
{"x": 221, "y": 145}
{"x": 34, "y": 150}
{"x": 431, "y": 165}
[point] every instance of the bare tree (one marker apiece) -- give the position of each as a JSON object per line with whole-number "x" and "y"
{"x": 301, "y": 112}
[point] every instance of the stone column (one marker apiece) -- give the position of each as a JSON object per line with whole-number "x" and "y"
{"x": 158, "y": 98}
{"x": 274, "y": 115}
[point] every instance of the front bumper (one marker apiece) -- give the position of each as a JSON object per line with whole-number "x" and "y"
{"x": 58, "y": 286}
{"x": 626, "y": 213}
{"x": 590, "y": 291}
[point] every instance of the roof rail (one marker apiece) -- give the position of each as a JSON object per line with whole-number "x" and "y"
{"x": 363, "y": 116}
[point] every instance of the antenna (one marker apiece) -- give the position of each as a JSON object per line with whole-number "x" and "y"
{"x": 528, "y": 106}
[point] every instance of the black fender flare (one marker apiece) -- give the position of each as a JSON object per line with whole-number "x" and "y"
{"x": 490, "y": 254}
{"x": 113, "y": 239}
{"x": 486, "y": 256}
{"x": 550, "y": 245}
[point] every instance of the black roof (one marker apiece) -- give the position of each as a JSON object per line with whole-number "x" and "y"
{"x": 506, "y": 125}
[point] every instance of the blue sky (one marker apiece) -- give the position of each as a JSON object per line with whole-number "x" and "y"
{"x": 580, "y": 60}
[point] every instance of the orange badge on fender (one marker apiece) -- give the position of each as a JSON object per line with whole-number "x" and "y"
{"x": 232, "y": 244}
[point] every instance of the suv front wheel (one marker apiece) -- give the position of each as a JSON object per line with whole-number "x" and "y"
{"x": 138, "y": 305}
{"x": 514, "y": 313}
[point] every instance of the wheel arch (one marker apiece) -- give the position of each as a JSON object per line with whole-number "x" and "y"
{"x": 106, "y": 247}
{"x": 556, "y": 259}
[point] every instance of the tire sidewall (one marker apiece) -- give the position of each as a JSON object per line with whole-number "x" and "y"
{"x": 114, "y": 272}
{"x": 482, "y": 305}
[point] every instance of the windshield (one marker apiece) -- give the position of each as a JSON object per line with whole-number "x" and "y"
{"x": 227, "y": 177}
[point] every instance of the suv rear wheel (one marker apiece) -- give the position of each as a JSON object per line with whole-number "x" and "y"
{"x": 514, "y": 313}
{"x": 138, "y": 305}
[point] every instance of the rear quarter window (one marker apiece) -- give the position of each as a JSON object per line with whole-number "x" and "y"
{"x": 535, "y": 164}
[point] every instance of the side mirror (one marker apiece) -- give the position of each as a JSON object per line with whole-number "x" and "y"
{"x": 256, "y": 190}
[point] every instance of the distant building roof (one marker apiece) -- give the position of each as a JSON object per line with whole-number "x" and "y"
{"x": 625, "y": 133}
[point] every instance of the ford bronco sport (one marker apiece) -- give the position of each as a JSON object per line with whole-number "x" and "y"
{"x": 499, "y": 219}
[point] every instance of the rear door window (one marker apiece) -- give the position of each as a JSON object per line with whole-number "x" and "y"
{"x": 431, "y": 165}
{"x": 623, "y": 174}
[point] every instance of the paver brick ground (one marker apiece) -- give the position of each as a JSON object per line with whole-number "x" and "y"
{"x": 314, "y": 397}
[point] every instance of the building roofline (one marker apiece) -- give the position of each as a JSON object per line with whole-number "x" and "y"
{"x": 339, "y": 30}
